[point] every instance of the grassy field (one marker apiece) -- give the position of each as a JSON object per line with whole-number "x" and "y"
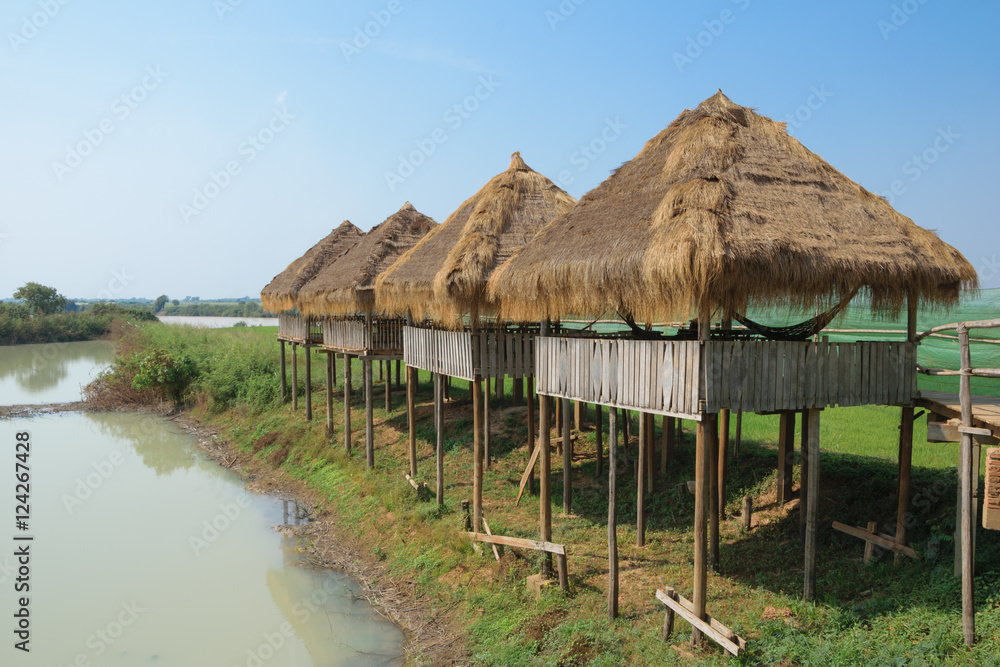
{"x": 883, "y": 613}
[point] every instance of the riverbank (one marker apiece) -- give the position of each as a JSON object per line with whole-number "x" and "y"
{"x": 880, "y": 612}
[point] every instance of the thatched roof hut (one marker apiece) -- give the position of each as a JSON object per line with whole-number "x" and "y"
{"x": 446, "y": 273}
{"x": 723, "y": 208}
{"x": 347, "y": 285}
{"x": 280, "y": 293}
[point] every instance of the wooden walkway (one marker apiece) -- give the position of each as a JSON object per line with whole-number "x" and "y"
{"x": 985, "y": 409}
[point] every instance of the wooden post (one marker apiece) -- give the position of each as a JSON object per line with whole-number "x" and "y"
{"x": 381, "y": 369}
{"x": 498, "y": 385}
{"x": 558, "y": 418}
{"x": 531, "y": 429}
{"x": 739, "y": 434}
{"x": 612, "y": 514}
{"x": 545, "y": 480}
{"x": 487, "y": 454}
{"x": 906, "y": 438}
{"x": 388, "y": 387}
{"x": 577, "y": 416}
{"x": 347, "y": 402}
{"x": 399, "y": 376}
{"x": 329, "y": 392}
{"x": 701, "y": 483}
{"x": 369, "y": 416}
{"x": 517, "y": 390}
{"x": 869, "y": 545}
{"x": 284, "y": 382}
{"x": 711, "y": 441}
{"x": 599, "y": 437}
{"x": 723, "y": 459}
{"x": 786, "y": 455}
{"x": 567, "y": 448}
{"x": 640, "y": 487}
{"x": 650, "y": 432}
{"x": 747, "y": 512}
{"x": 812, "y": 509}
{"x": 439, "y": 431}
{"x": 411, "y": 417}
{"x": 295, "y": 377}
{"x": 804, "y": 476}
{"x": 477, "y": 452}
{"x": 966, "y": 476}
{"x": 309, "y": 402}
{"x": 667, "y": 443}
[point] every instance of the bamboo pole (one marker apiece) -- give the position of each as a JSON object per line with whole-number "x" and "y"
{"x": 812, "y": 509}
{"x": 545, "y": 472}
{"x": 284, "y": 380}
{"x": 701, "y": 482}
{"x": 295, "y": 377}
{"x": 906, "y": 438}
{"x": 723, "y": 459}
{"x": 329, "y": 392}
{"x": 640, "y": 488}
{"x": 612, "y": 514}
{"x": 347, "y": 402}
{"x": 965, "y": 470}
{"x": 711, "y": 441}
{"x": 369, "y": 416}
{"x": 487, "y": 453}
{"x": 411, "y": 417}
{"x": 309, "y": 402}
{"x": 439, "y": 431}
{"x": 567, "y": 449}
{"x": 599, "y": 438}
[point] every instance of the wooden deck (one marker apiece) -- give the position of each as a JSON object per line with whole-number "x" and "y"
{"x": 464, "y": 355}
{"x": 985, "y": 409}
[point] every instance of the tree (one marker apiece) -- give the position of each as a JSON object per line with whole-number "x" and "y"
{"x": 41, "y": 299}
{"x": 176, "y": 302}
{"x": 158, "y": 304}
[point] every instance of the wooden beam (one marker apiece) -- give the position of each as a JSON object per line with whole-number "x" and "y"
{"x": 965, "y": 473}
{"x": 786, "y": 456}
{"x": 295, "y": 377}
{"x": 411, "y": 416}
{"x": 519, "y": 542}
{"x": 369, "y": 416}
{"x": 612, "y": 514}
{"x": 527, "y": 475}
{"x": 640, "y": 486}
{"x": 530, "y": 382}
{"x": 723, "y": 459}
{"x": 439, "y": 434}
{"x": 477, "y": 452}
{"x": 567, "y": 459}
{"x": 711, "y": 442}
{"x": 702, "y": 473}
{"x": 880, "y": 540}
{"x": 329, "y": 394}
{"x": 489, "y": 532}
{"x": 697, "y": 623}
{"x": 809, "y": 586}
{"x": 309, "y": 402}
{"x": 869, "y": 545}
{"x": 545, "y": 471}
{"x": 347, "y": 403}
{"x": 599, "y": 439}
{"x": 284, "y": 381}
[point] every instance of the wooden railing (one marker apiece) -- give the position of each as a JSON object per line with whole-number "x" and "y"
{"x": 684, "y": 378}
{"x": 351, "y": 334}
{"x": 462, "y": 354}
{"x": 299, "y": 328}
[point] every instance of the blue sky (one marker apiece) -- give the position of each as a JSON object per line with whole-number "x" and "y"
{"x": 196, "y": 147}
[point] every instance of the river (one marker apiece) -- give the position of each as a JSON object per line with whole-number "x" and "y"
{"x": 209, "y": 322}
{"x": 146, "y": 551}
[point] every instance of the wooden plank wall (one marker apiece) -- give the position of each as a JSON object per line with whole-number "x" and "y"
{"x": 506, "y": 354}
{"x": 766, "y": 376}
{"x": 610, "y": 372}
{"x": 670, "y": 377}
{"x": 446, "y": 352}
{"x": 350, "y": 334}
{"x": 293, "y": 326}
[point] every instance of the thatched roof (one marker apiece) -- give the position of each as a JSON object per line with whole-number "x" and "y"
{"x": 280, "y": 293}
{"x": 724, "y": 206}
{"x": 446, "y": 273}
{"x": 347, "y": 285}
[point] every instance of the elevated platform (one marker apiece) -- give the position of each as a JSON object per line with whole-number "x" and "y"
{"x": 985, "y": 409}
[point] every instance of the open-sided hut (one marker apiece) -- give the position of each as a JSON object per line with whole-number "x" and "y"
{"x": 280, "y": 294}
{"x": 342, "y": 295}
{"x": 722, "y": 210}
{"x": 444, "y": 277}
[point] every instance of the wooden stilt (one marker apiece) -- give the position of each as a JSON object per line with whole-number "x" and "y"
{"x": 531, "y": 428}
{"x": 906, "y": 439}
{"x": 284, "y": 381}
{"x": 650, "y": 433}
{"x": 369, "y": 416}
{"x": 411, "y": 417}
{"x": 786, "y": 444}
{"x": 723, "y": 459}
{"x": 577, "y": 415}
{"x": 388, "y": 387}
{"x": 309, "y": 402}
{"x": 517, "y": 390}
{"x": 439, "y": 431}
{"x": 599, "y": 437}
{"x": 295, "y": 377}
{"x": 499, "y": 386}
{"x": 477, "y": 452}
{"x": 487, "y": 454}
{"x": 747, "y": 512}
{"x": 667, "y": 444}
{"x": 804, "y": 476}
{"x": 545, "y": 480}
{"x": 640, "y": 488}
{"x": 347, "y": 403}
{"x": 711, "y": 441}
{"x": 739, "y": 434}
{"x": 559, "y": 411}
{"x": 399, "y": 377}
{"x": 612, "y": 514}
{"x": 567, "y": 448}
{"x": 968, "y": 523}
{"x": 812, "y": 504}
{"x": 329, "y": 392}
{"x": 701, "y": 486}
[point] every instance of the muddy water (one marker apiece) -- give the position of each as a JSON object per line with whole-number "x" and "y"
{"x": 146, "y": 552}
{"x": 51, "y": 372}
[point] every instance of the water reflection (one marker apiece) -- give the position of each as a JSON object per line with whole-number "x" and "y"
{"x": 151, "y": 437}
{"x": 50, "y": 372}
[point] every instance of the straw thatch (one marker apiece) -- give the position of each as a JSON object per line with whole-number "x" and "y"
{"x": 347, "y": 285}
{"x": 446, "y": 273}
{"x": 724, "y": 208}
{"x": 280, "y": 293}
